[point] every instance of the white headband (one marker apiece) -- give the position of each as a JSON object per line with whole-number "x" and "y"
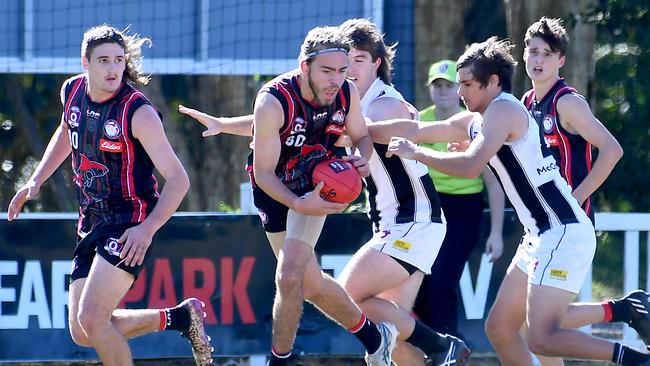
{"x": 326, "y": 50}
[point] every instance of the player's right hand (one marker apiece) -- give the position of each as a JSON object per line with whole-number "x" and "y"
{"x": 313, "y": 205}
{"x": 25, "y": 193}
{"x": 212, "y": 124}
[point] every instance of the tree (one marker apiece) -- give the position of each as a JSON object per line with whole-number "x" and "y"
{"x": 621, "y": 92}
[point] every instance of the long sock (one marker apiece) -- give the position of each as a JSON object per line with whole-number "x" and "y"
{"x": 367, "y": 332}
{"x": 624, "y": 355}
{"x": 278, "y": 359}
{"x": 175, "y": 318}
{"x": 427, "y": 339}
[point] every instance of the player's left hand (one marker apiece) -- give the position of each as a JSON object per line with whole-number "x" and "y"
{"x": 494, "y": 247}
{"x": 136, "y": 242}
{"x": 360, "y": 163}
{"x": 401, "y": 147}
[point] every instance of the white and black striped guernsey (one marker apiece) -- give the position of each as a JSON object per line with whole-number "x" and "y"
{"x": 399, "y": 190}
{"x": 531, "y": 179}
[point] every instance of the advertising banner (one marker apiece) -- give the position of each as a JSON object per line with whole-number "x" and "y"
{"x": 224, "y": 260}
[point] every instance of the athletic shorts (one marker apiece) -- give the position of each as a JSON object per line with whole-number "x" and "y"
{"x": 560, "y": 257}
{"x": 417, "y": 243}
{"x": 277, "y": 218}
{"x": 103, "y": 241}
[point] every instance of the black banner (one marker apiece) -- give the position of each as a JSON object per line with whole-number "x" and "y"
{"x": 224, "y": 260}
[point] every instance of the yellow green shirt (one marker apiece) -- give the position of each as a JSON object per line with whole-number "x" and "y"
{"x": 446, "y": 183}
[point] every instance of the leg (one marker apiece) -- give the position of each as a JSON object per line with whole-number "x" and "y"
{"x": 405, "y": 354}
{"x": 133, "y": 323}
{"x": 546, "y": 308}
{"x": 385, "y": 296}
{"x": 130, "y": 323}
{"x": 506, "y": 317}
{"x": 543, "y": 360}
{"x": 102, "y": 291}
{"x": 363, "y": 283}
{"x": 288, "y": 303}
{"x": 321, "y": 290}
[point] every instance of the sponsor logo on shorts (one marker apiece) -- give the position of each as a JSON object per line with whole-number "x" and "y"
{"x": 559, "y": 274}
{"x": 263, "y": 216}
{"x": 402, "y": 245}
{"x": 385, "y": 233}
{"x": 113, "y": 247}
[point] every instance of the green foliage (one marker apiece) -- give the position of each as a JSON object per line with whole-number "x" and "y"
{"x": 224, "y": 207}
{"x": 621, "y": 90}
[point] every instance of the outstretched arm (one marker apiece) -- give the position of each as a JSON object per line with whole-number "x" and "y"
{"x": 501, "y": 120}
{"x": 452, "y": 129}
{"x": 241, "y": 125}
{"x": 576, "y": 117}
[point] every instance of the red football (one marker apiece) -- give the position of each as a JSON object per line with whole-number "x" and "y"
{"x": 342, "y": 181}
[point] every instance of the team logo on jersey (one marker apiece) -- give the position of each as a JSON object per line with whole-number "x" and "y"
{"x": 112, "y": 129}
{"x": 113, "y": 247}
{"x": 339, "y": 117}
{"x": 74, "y": 115}
{"x": 548, "y": 123}
{"x": 87, "y": 172}
{"x": 110, "y": 146}
{"x": 298, "y": 125}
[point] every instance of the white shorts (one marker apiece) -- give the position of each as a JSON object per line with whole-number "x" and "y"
{"x": 417, "y": 244}
{"x": 559, "y": 258}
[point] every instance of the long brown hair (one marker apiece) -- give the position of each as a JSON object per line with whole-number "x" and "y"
{"x": 131, "y": 44}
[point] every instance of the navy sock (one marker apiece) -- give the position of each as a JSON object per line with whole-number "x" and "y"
{"x": 427, "y": 339}
{"x": 279, "y": 359}
{"x": 367, "y": 332}
{"x": 624, "y": 355}
{"x": 177, "y": 319}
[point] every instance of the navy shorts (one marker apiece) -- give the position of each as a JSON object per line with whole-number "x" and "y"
{"x": 103, "y": 241}
{"x": 273, "y": 213}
